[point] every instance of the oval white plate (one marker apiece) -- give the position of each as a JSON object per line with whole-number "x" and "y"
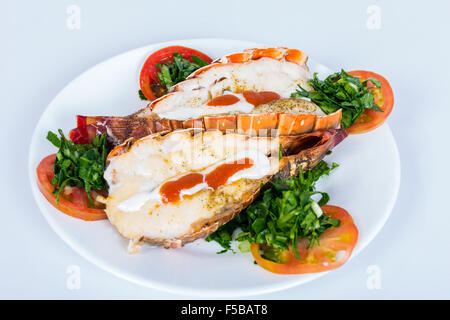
{"x": 366, "y": 184}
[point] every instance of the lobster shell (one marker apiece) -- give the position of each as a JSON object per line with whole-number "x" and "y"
{"x": 120, "y": 129}
{"x": 298, "y": 151}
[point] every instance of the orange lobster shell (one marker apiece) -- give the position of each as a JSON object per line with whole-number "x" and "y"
{"x": 121, "y": 129}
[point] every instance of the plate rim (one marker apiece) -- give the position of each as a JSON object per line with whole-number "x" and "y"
{"x": 180, "y": 290}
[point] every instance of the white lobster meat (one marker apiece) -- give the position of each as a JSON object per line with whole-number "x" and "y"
{"x": 278, "y": 70}
{"x": 175, "y": 188}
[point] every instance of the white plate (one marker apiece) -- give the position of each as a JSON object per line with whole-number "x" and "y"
{"x": 366, "y": 184}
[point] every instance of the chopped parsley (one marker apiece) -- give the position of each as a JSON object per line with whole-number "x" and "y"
{"x": 175, "y": 71}
{"x": 79, "y": 165}
{"x": 341, "y": 91}
{"x": 141, "y": 95}
{"x": 283, "y": 214}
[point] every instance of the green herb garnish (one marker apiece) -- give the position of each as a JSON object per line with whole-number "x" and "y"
{"x": 141, "y": 95}
{"x": 223, "y": 235}
{"x": 79, "y": 165}
{"x": 283, "y": 214}
{"x": 178, "y": 70}
{"x": 341, "y": 91}
{"x": 174, "y": 72}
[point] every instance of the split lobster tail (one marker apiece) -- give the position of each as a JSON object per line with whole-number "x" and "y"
{"x": 307, "y": 150}
{"x": 120, "y": 129}
{"x": 140, "y": 216}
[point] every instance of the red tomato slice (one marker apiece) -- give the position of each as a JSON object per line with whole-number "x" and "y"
{"x": 383, "y": 97}
{"x": 148, "y": 79}
{"x": 336, "y": 246}
{"x": 75, "y": 203}
{"x": 85, "y": 133}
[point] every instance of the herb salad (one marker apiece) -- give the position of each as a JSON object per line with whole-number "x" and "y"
{"x": 167, "y": 67}
{"x": 175, "y": 72}
{"x": 79, "y": 165}
{"x": 342, "y": 91}
{"x": 282, "y": 215}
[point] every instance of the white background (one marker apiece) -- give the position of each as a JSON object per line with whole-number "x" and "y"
{"x": 39, "y": 55}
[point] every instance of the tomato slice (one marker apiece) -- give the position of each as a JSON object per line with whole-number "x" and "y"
{"x": 148, "y": 79}
{"x": 74, "y": 203}
{"x": 383, "y": 97}
{"x": 336, "y": 246}
{"x": 85, "y": 133}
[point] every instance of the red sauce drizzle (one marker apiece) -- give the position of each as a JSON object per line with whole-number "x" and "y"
{"x": 225, "y": 100}
{"x": 257, "y": 98}
{"x": 219, "y": 176}
{"x": 171, "y": 190}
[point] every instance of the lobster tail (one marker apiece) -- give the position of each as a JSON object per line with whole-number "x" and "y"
{"x": 119, "y": 129}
